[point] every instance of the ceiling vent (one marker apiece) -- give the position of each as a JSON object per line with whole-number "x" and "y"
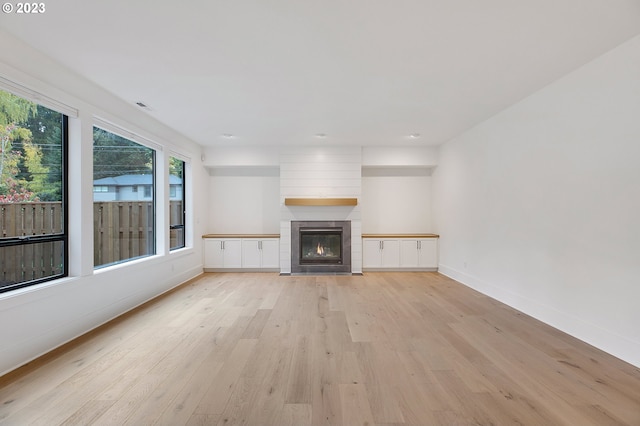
{"x": 144, "y": 106}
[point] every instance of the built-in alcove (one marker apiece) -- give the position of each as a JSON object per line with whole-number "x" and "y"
{"x": 242, "y": 200}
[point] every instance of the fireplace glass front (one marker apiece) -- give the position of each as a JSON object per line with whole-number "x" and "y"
{"x": 320, "y": 246}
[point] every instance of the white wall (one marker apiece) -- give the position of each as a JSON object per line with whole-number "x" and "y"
{"x": 241, "y": 156}
{"x": 243, "y": 190}
{"x": 539, "y": 206}
{"x": 400, "y": 156}
{"x": 396, "y": 200}
{"x": 36, "y": 319}
{"x": 242, "y": 201}
{"x": 396, "y": 189}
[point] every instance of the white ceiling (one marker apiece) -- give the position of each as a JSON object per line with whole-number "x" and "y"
{"x": 363, "y": 72}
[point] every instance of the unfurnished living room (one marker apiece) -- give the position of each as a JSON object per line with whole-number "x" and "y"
{"x": 320, "y": 213}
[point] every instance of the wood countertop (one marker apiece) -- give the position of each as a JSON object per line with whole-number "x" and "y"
{"x": 363, "y": 236}
{"x": 400, "y": 236}
{"x": 241, "y": 236}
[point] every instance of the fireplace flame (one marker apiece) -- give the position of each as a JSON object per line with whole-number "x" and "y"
{"x": 320, "y": 250}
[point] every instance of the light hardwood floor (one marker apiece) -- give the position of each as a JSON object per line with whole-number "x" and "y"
{"x": 379, "y": 349}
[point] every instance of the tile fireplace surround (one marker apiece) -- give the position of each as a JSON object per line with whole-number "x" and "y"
{"x": 298, "y": 266}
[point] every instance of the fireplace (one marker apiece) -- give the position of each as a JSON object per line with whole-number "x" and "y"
{"x": 321, "y": 246}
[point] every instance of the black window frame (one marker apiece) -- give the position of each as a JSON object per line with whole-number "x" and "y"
{"x": 61, "y": 237}
{"x": 153, "y": 242}
{"x": 184, "y": 210}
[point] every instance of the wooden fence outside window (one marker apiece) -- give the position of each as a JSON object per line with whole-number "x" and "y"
{"x": 122, "y": 230}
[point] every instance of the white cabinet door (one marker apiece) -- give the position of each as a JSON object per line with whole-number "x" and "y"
{"x": 232, "y": 253}
{"x": 371, "y": 253}
{"x": 422, "y": 253}
{"x": 213, "y": 253}
{"x": 222, "y": 253}
{"x": 380, "y": 253}
{"x": 409, "y": 256}
{"x": 390, "y": 253}
{"x": 428, "y": 253}
{"x": 271, "y": 253}
{"x": 250, "y": 253}
{"x": 261, "y": 253}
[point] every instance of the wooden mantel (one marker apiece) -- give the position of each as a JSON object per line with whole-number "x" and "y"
{"x": 320, "y": 201}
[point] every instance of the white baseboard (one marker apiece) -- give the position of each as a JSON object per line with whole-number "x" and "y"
{"x": 603, "y": 339}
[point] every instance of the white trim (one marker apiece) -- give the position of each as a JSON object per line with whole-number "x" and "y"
{"x": 114, "y": 128}
{"x": 31, "y": 95}
{"x": 184, "y": 158}
{"x": 591, "y": 333}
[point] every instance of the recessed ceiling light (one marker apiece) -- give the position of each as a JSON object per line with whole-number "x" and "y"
{"x": 414, "y": 135}
{"x": 321, "y": 135}
{"x": 227, "y": 135}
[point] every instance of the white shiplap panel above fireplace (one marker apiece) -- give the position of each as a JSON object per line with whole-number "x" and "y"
{"x": 320, "y": 172}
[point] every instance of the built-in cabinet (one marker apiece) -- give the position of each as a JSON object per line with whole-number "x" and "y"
{"x": 380, "y": 253}
{"x": 410, "y": 252}
{"x": 241, "y": 252}
{"x": 261, "y": 253}
{"x": 222, "y": 253}
{"x": 419, "y": 253}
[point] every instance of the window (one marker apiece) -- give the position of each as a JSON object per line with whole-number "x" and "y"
{"x": 124, "y": 228}
{"x": 100, "y": 188}
{"x": 33, "y": 193}
{"x": 176, "y": 203}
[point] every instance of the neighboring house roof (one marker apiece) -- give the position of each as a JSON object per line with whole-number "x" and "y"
{"x": 130, "y": 180}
